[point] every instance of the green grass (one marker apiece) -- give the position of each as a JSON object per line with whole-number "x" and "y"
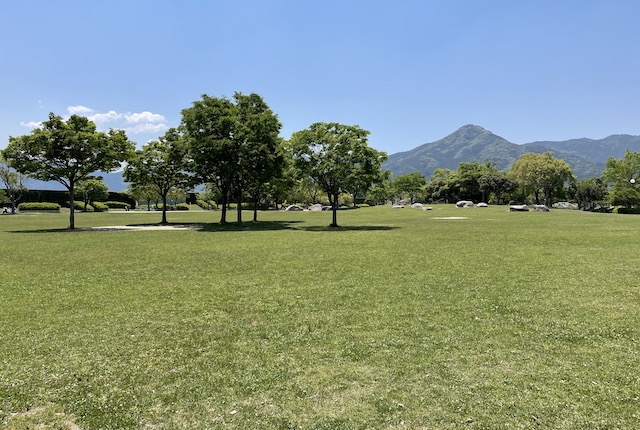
{"x": 395, "y": 320}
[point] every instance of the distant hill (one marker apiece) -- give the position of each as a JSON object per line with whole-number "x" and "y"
{"x": 598, "y": 151}
{"x": 469, "y": 143}
{"x": 113, "y": 180}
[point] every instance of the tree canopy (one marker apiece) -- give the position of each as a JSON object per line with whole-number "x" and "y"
{"x": 623, "y": 176}
{"x": 67, "y": 152}
{"x": 13, "y": 183}
{"x": 333, "y": 155}
{"x": 233, "y": 143}
{"x": 163, "y": 165}
{"x": 541, "y": 174}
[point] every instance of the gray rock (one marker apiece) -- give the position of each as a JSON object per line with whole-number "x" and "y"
{"x": 464, "y": 204}
{"x": 315, "y": 208}
{"x": 293, "y": 208}
{"x": 540, "y": 208}
{"x": 518, "y": 208}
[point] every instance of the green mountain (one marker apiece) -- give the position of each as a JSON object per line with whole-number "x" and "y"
{"x": 598, "y": 151}
{"x": 587, "y": 157}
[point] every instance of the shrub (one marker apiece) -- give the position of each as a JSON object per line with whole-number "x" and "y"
{"x": 117, "y": 205}
{"x": 99, "y": 207}
{"x": 182, "y": 207}
{"x": 204, "y": 205}
{"x": 36, "y": 206}
{"x": 362, "y": 205}
{"x": 635, "y": 211}
{"x": 79, "y": 206}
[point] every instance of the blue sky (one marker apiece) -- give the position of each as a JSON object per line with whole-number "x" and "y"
{"x": 411, "y": 72}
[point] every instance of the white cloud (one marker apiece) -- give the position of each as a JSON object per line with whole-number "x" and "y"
{"x": 79, "y": 110}
{"x": 31, "y": 124}
{"x": 136, "y": 118}
{"x": 100, "y": 118}
{"x": 147, "y": 128}
{"x": 130, "y": 122}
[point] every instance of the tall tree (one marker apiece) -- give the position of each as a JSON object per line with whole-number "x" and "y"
{"x": 497, "y": 183}
{"x": 439, "y": 186}
{"x": 260, "y": 155}
{"x": 233, "y": 143}
{"x": 92, "y": 189}
{"x": 541, "y": 174}
{"x": 162, "y": 165}
{"x": 411, "y": 184}
{"x": 146, "y": 193}
{"x": 67, "y": 152}
{"x": 469, "y": 174}
{"x": 331, "y": 153}
{"x": 623, "y": 177}
{"x": 13, "y": 183}
{"x": 588, "y": 191}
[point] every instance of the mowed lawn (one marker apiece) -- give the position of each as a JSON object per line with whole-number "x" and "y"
{"x": 395, "y": 320}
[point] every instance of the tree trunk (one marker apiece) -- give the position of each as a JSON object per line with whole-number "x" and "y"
{"x": 164, "y": 209}
{"x": 239, "y": 207}
{"x": 223, "y": 216}
{"x": 72, "y": 223}
{"x": 334, "y": 209}
{"x": 255, "y": 208}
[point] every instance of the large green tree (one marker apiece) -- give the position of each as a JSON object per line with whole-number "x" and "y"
{"x": 163, "y": 165}
{"x": 541, "y": 174}
{"x": 233, "y": 143}
{"x": 13, "y": 183}
{"x": 411, "y": 184}
{"x": 623, "y": 179}
{"x": 439, "y": 187}
{"x": 92, "y": 189}
{"x": 589, "y": 191}
{"x": 330, "y": 154}
{"x": 68, "y": 152}
{"x": 468, "y": 179}
{"x": 497, "y": 183}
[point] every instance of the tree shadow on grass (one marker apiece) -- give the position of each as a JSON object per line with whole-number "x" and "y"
{"x": 249, "y": 226}
{"x": 349, "y": 228}
{"x": 216, "y": 227}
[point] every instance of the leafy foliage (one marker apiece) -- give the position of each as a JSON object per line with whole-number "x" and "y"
{"x": 161, "y": 165}
{"x": 38, "y": 206}
{"x": 67, "y": 152}
{"x": 336, "y": 156}
{"x": 623, "y": 177}
{"x": 541, "y": 174}
{"x": 233, "y": 144}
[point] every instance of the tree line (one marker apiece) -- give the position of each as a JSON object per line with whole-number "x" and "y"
{"x": 533, "y": 178}
{"x": 230, "y": 144}
{"x": 233, "y": 146}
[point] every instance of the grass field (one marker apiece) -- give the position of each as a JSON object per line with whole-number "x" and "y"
{"x": 395, "y": 320}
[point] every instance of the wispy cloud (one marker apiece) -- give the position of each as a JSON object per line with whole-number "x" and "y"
{"x": 31, "y": 124}
{"x": 130, "y": 122}
{"x": 79, "y": 110}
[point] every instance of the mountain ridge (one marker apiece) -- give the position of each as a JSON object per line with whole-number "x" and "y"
{"x": 470, "y": 142}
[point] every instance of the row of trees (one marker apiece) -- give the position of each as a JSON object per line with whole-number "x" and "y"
{"x": 537, "y": 177}
{"x": 233, "y": 146}
{"x": 230, "y": 144}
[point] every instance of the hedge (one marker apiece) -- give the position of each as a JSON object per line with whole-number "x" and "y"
{"x": 204, "y": 205}
{"x": 35, "y": 206}
{"x": 117, "y": 205}
{"x": 79, "y": 206}
{"x": 99, "y": 207}
{"x": 182, "y": 207}
{"x": 635, "y": 211}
